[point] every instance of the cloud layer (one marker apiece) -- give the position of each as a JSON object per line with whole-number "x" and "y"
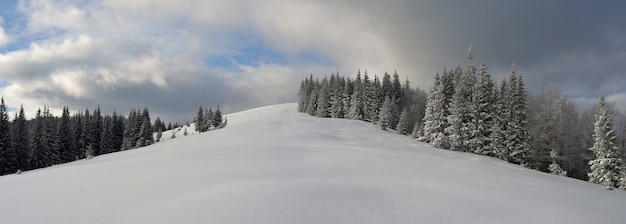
{"x": 173, "y": 56}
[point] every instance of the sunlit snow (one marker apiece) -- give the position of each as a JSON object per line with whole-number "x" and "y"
{"x": 275, "y": 165}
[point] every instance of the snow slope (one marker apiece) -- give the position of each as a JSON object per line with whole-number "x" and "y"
{"x": 274, "y": 165}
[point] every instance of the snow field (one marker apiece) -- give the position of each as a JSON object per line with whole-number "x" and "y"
{"x": 275, "y": 165}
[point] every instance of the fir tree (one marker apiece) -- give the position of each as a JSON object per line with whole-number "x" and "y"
{"x": 607, "y": 168}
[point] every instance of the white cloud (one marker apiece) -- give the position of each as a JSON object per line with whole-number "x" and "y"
{"x": 96, "y": 49}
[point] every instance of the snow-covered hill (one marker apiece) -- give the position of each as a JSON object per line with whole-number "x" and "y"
{"x": 274, "y": 165}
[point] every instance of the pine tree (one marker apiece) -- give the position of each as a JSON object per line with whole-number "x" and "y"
{"x": 313, "y": 98}
{"x": 87, "y": 147}
{"x": 107, "y": 144}
{"x": 21, "y": 141}
{"x": 518, "y": 142}
{"x": 52, "y": 137}
{"x": 8, "y": 156}
{"x": 130, "y": 131}
{"x": 607, "y": 168}
{"x": 96, "y": 130}
{"x": 66, "y": 141}
{"x": 209, "y": 116}
{"x": 40, "y": 155}
{"x": 403, "y": 123}
{"x": 434, "y": 119}
{"x": 385, "y": 114}
{"x": 78, "y": 138}
{"x": 200, "y": 121}
{"x": 499, "y": 128}
{"x": 217, "y": 118}
{"x": 482, "y": 114}
{"x": 323, "y": 100}
{"x": 145, "y": 136}
{"x": 554, "y": 167}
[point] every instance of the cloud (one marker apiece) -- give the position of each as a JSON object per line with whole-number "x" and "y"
{"x": 4, "y": 38}
{"x": 176, "y": 55}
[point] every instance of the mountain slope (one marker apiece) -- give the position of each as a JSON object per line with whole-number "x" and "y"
{"x": 274, "y": 165}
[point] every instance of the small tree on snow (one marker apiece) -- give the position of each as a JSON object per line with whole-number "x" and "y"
{"x": 607, "y": 168}
{"x": 554, "y": 166}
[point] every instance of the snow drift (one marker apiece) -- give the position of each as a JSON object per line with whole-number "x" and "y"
{"x": 275, "y": 165}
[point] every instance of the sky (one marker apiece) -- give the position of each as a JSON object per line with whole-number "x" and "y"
{"x": 173, "y": 56}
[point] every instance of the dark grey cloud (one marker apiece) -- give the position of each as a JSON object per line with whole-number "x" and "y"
{"x": 161, "y": 54}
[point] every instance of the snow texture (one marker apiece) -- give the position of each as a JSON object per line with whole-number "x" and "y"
{"x": 275, "y": 165}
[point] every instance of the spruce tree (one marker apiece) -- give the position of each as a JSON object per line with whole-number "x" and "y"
{"x": 145, "y": 135}
{"x": 106, "y": 140}
{"x": 21, "y": 140}
{"x": 52, "y": 136}
{"x": 96, "y": 130}
{"x": 607, "y": 167}
{"x": 554, "y": 167}
{"x": 78, "y": 138}
{"x": 323, "y": 100}
{"x": 217, "y": 118}
{"x": 482, "y": 114}
{"x": 8, "y": 156}
{"x": 66, "y": 141}
{"x": 130, "y": 131}
{"x": 518, "y": 142}
{"x": 199, "y": 121}
{"x": 403, "y": 123}
{"x": 385, "y": 114}
{"x": 40, "y": 149}
{"x": 313, "y": 98}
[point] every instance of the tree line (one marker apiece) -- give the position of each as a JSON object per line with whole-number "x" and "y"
{"x": 467, "y": 110}
{"x": 388, "y": 102}
{"x": 48, "y": 140}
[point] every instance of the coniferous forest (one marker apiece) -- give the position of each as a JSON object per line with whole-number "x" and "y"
{"x": 48, "y": 140}
{"x": 467, "y": 110}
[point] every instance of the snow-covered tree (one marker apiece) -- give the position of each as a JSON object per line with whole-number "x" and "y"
{"x": 554, "y": 167}
{"x": 403, "y": 124}
{"x": 607, "y": 168}
{"x": 482, "y": 117}
{"x": 323, "y": 100}
{"x": 435, "y": 121}
{"x": 385, "y": 113}
{"x": 518, "y": 141}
